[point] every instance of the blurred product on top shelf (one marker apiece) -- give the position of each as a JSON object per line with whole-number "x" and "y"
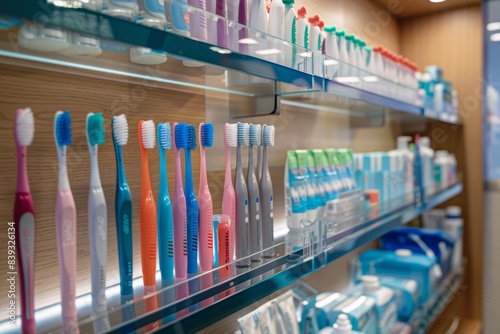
{"x": 440, "y": 99}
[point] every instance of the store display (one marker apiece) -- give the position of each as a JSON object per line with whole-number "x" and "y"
{"x": 205, "y": 241}
{"x": 148, "y": 219}
{"x": 180, "y": 218}
{"x": 242, "y": 227}
{"x": 65, "y": 225}
{"x": 98, "y": 223}
{"x": 123, "y": 215}
{"x": 24, "y": 222}
{"x": 165, "y": 219}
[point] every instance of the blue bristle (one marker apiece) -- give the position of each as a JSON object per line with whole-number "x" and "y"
{"x": 191, "y": 142}
{"x": 255, "y": 134}
{"x": 207, "y": 135}
{"x": 95, "y": 129}
{"x": 181, "y": 135}
{"x": 63, "y": 129}
{"x": 165, "y": 136}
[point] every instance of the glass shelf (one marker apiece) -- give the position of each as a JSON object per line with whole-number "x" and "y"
{"x": 257, "y": 65}
{"x": 302, "y": 252}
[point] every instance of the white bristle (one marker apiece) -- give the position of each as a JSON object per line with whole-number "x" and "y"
{"x": 255, "y": 134}
{"x": 25, "y": 127}
{"x": 120, "y": 129}
{"x": 148, "y": 134}
{"x": 268, "y": 135}
{"x": 232, "y": 135}
{"x": 243, "y": 134}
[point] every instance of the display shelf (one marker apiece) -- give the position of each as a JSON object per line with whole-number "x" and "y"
{"x": 257, "y": 65}
{"x": 302, "y": 253}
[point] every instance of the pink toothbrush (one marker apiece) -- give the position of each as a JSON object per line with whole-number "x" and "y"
{"x": 24, "y": 219}
{"x": 179, "y": 211}
{"x": 228, "y": 197}
{"x": 66, "y": 226}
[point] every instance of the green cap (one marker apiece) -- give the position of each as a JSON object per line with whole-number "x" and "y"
{"x": 288, "y": 3}
{"x": 340, "y": 32}
{"x": 349, "y": 37}
{"x": 303, "y": 158}
{"x": 368, "y": 48}
{"x": 292, "y": 159}
{"x": 362, "y": 43}
{"x": 332, "y": 28}
{"x": 320, "y": 158}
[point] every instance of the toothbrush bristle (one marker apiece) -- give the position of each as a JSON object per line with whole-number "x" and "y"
{"x": 191, "y": 135}
{"x": 243, "y": 134}
{"x": 180, "y": 132}
{"x": 255, "y": 134}
{"x": 63, "y": 128}
{"x": 231, "y": 137}
{"x": 120, "y": 129}
{"x": 166, "y": 136}
{"x": 268, "y": 135}
{"x": 207, "y": 135}
{"x": 25, "y": 127}
{"x": 95, "y": 128}
{"x": 148, "y": 134}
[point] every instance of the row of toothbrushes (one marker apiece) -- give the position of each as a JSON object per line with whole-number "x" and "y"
{"x": 184, "y": 226}
{"x": 313, "y": 179}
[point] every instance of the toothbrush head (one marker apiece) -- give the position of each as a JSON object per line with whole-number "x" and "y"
{"x": 243, "y": 134}
{"x": 231, "y": 135}
{"x": 206, "y": 135}
{"x": 165, "y": 136}
{"x": 268, "y": 135}
{"x": 147, "y": 137}
{"x": 180, "y": 133}
{"x": 95, "y": 129}
{"x": 62, "y": 128}
{"x": 255, "y": 135}
{"x": 191, "y": 137}
{"x": 119, "y": 126}
{"x": 24, "y": 129}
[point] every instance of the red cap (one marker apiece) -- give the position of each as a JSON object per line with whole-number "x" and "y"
{"x": 268, "y": 8}
{"x": 373, "y": 196}
{"x": 314, "y": 20}
{"x": 321, "y": 24}
{"x": 302, "y": 12}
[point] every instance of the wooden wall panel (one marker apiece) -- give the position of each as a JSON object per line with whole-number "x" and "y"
{"x": 453, "y": 41}
{"x": 46, "y": 92}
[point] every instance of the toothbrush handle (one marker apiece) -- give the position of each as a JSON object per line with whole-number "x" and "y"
{"x": 123, "y": 209}
{"x": 180, "y": 234}
{"x": 66, "y": 240}
{"x": 166, "y": 238}
{"x": 192, "y": 237}
{"x": 206, "y": 245}
{"x": 24, "y": 218}
{"x": 242, "y": 224}
{"x": 98, "y": 253}
{"x": 266, "y": 188}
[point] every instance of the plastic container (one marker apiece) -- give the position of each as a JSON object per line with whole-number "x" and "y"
{"x": 361, "y": 312}
{"x": 325, "y": 303}
{"x": 453, "y": 224}
{"x": 385, "y": 302}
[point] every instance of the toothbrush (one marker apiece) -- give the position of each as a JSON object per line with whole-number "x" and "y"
{"x": 266, "y": 190}
{"x": 98, "y": 221}
{"x": 147, "y": 218}
{"x": 123, "y": 216}
{"x": 191, "y": 213}
{"x": 165, "y": 221}
{"x": 228, "y": 197}
{"x": 206, "y": 246}
{"x": 179, "y": 210}
{"x": 224, "y": 235}
{"x": 24, "y": 219}
{"x": 255, "y": 138}
{"x": 259, "y": 159}
{"x": 66, "y": 226}
{"x": 215, "y": 263}
{"x": 242, "y": 223}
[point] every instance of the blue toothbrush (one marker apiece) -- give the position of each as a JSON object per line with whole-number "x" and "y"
{"x": 165, "y": 222}
{"x": 123, "y": 215}
{"x": 192, "y": 214}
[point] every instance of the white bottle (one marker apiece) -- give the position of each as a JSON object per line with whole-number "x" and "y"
{"x": 290, "y": 33}
{"x": 427, "y": 154}
{"x": 343, "y": 325}
{"x": 258, "y": 16}
{"x": 277, "y": 29}
{"x": 453, "y": 224}
{"x": 441, "y": 165}
{"x": 385, "y": 303}
{"x": 404, "y": 148}
{"x": 302, "y": 28}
